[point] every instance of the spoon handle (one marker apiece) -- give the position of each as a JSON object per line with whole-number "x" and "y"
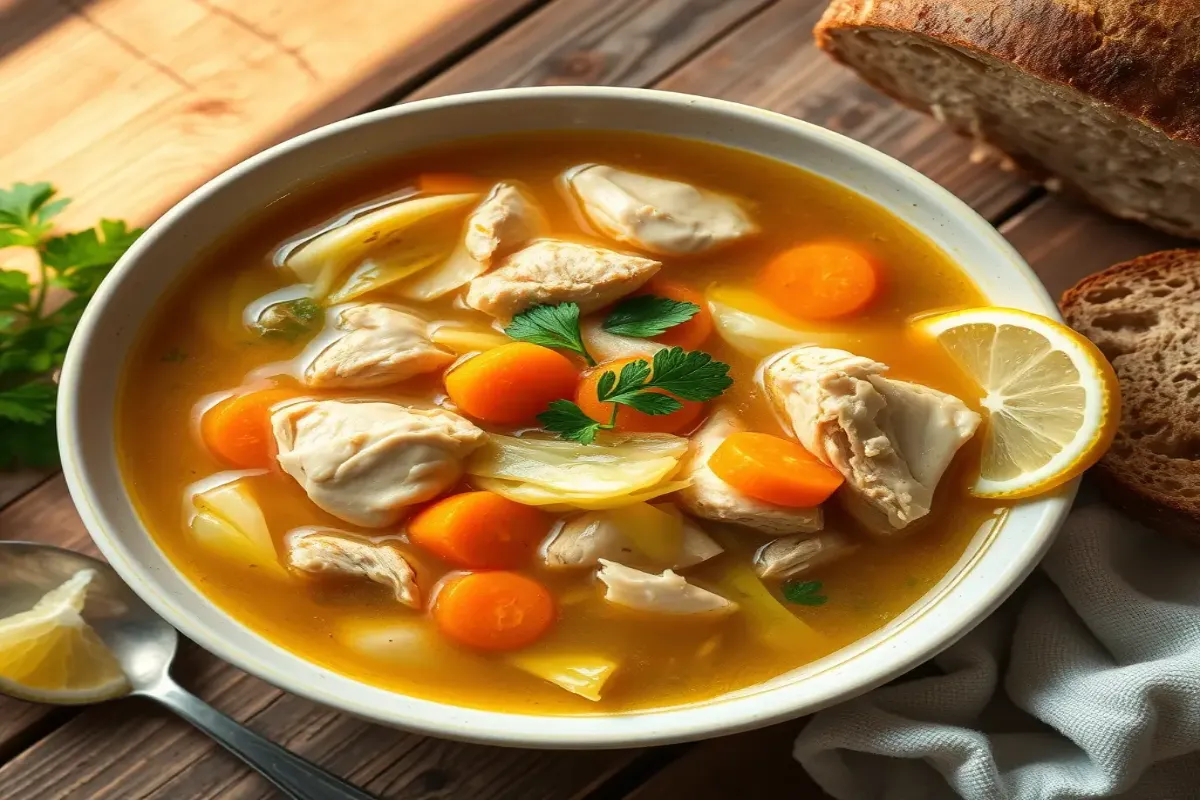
{"x": 296, "y": 778}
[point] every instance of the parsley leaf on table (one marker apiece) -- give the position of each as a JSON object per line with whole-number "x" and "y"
{"x": 551, "y": 326}
{"x": 33, "y": 337}
{"x": 804, "y": 593}
{"x": 647, "y": 316}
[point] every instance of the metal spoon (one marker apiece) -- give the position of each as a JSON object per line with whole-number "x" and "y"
{"x": 145, "y": 645}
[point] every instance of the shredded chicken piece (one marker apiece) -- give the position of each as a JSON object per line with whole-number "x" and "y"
{"x": 709, "y": 497}
{"x": 789, "y": 556}
{"x": 891, "y": 440}
{"x": 506, "y": 220}
{"x": 378, "y": 345}
{"x": 324, "y": 553}
{"x": 662, "y": 216}
{"x": 551, "y": 271}
{"x": 584, "y": 540}
{"x": 667, "y": 593}
{"x": 366, "y": 462}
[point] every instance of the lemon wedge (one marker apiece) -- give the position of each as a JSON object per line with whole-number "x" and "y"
{"x": 1052, "y": 398}
{"x": 50, "y": 654}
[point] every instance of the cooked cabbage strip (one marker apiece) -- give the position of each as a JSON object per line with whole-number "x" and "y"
{"x": 750, "y": 333}
{"x": 323, "y": 259}
{"x": 227, "y": 520}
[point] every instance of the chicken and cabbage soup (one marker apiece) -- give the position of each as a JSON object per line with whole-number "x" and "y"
{"x": 566, "y": 423}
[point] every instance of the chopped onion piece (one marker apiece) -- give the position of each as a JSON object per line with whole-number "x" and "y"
{"x": 584, "y": 675}
{"x": 557, "y": 501}
{"x": 395, "y": 265}
{"x": 463, "y": 340}
{"x": 228, "y": 521}
{"x": 458, "y": 269}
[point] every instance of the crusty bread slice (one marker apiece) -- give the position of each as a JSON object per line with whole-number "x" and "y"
{"x": 1100, "y": 98}
{"x": 1145, "y": 316}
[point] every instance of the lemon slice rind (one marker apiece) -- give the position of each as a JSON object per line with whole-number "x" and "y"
{"x": 1019, "y": 412}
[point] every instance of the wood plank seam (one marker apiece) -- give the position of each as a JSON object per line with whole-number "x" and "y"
{"x": 78, "y": 10}
{"x": 271, "y": 39}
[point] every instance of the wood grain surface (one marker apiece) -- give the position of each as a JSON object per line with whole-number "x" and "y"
{"x": 146, "y": 89}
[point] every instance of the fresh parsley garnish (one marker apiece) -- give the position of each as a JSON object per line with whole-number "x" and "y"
{"x": 647, "y": 316}
{"x": 290, "y": 319}
{"x": 33, "y": 338}
{"x": 643, "y": 386}
{"x": 551, "y": 326}
{"x": 804, "y": 593}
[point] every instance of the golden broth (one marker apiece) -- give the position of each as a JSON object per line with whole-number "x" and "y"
{"x": 196, "y": 349}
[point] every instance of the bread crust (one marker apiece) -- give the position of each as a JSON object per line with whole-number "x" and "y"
{"x": 1140, "y": 57}
{"x": 1141, "y": 472}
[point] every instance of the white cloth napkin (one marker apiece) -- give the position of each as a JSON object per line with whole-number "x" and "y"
{"x": 1086, "y": 684}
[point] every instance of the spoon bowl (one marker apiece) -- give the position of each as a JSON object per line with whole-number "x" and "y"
{"x": 145, "y": 645}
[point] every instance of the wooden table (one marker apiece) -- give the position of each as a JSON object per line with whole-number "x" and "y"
{"x": 129, "y": 104}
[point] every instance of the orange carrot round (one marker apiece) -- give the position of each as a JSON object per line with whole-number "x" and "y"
{"x": 630, "y": 419}
{"x": 480, "y": 530}
{"x": 449, "y": 183}
{"x": 237, "y": 430}
{"x": 512, "y": 383}
{"x": 494, "y": 610}
{"x": 774, "y": 470}
{"x": 823, "y": 280}
{"x": 688, "y": 335}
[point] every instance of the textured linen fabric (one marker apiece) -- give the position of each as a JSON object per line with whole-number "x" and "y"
{"x": 1086, "y": 684}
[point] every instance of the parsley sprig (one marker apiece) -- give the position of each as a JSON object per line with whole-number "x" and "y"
{"x": 804, "y": 593}
{"x": 34, "y": 337}
{"x": 641, "y": 385}
{"x": 551, "y": 326}
{"x": 646, "y": 316}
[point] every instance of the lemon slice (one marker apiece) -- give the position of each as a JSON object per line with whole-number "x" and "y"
{"x": 49, "y": 654}
{"x": 1052, "y": 398}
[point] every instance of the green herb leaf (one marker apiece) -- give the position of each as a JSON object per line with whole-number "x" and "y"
{"x": 646, "y": 316}
{"x": 568, "y": 421}
{"x": 653, "y": 403}
{"x": 690, "y": 375}
{"x": 290, "y": 319}
{"x": 632, "y": 378}
{"x": 25, "y": 213}
{"x": 804, "y": 593}
{"x": 551, "y": 326}
{"x": 33, "y": 340}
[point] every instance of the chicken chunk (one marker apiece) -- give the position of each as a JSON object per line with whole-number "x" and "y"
{"x": 376, "y": 345}
{"x": 551, "y": 271}
{"x": 505, "y": 221}
{"x": 664, "y": 217}
{"x": 891, "y": 440}
{"x": 709, "y": 497}
{"x": 333, "y": 554}
{"x": 366, "y": 462}
{"x": 790, "y": 556}
{"x": 583, "y": 540}
{"x": 667, "y": 593}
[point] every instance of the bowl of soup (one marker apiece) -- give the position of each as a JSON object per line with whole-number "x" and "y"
{"x": 559, "y": 417}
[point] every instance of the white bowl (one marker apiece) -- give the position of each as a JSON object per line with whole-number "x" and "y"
{"x": 995, "y": 562}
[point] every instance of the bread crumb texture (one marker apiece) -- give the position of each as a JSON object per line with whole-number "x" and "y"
{"x": 1144, "y": 315}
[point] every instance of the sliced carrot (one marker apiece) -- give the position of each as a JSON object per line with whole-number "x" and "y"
{"x": 688, "y": 335}
{"x": 449, "y": 183}
{"x": 775, "y": 470}
{"x": 480, "y": 530}
{"x": 823, "y": 280}
{"x": 494, "y": 610}
{"x": 511, "y": 383}
{"x": 238, "y": 429}
{"x": 629, "y": 419}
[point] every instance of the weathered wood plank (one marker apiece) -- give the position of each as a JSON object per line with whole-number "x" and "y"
{"x": 1065, "y": 242}
{"x": 130, "y": 104}
{"x": 749, "y": 766}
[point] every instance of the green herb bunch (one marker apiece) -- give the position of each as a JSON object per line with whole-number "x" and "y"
{"x": 33, "y": 334}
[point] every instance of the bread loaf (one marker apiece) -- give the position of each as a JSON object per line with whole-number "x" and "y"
{"x": 1145, "y": 316}
{"x": 1099, "y": 97}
